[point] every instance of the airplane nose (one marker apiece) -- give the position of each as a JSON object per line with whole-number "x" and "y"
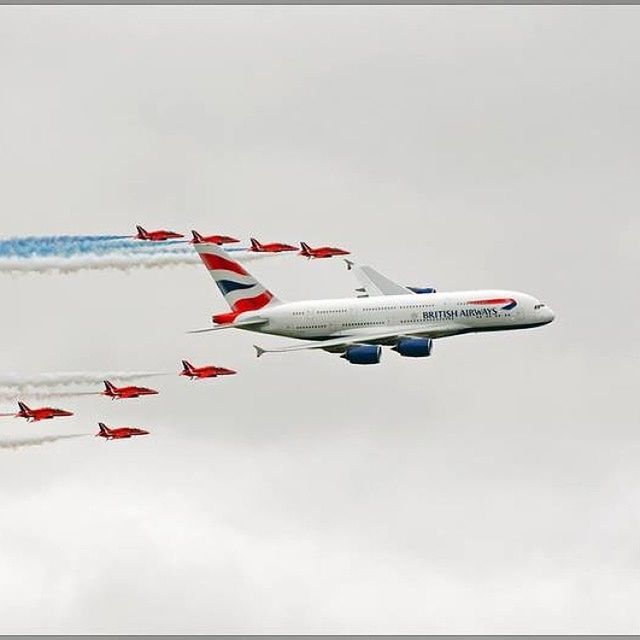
{"x": 549, "y": 316}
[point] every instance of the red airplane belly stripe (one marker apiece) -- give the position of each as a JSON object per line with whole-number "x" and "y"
{"x": 214, "y": 262}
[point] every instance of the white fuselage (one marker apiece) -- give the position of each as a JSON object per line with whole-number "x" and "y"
{"x": 435, "y": 315}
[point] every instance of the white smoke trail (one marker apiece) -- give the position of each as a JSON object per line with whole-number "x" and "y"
{"x": 117, "y": 261}
{"x": 31, "y": 442}
{"x": 50, "y": 385}
{"x": 37, "y": 393}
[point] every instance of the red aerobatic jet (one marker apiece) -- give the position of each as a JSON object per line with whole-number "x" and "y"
{"x": 321, "y": 252}
{"x": 126, "y": 392}
{"x": 118, "y": 432}
{"x": 271, "y": 247}
{"x": 208, "y": 371}
{"x": 199, "y": 238}
{"x": 41, "y": 413}
{"x": 156, "y": 236}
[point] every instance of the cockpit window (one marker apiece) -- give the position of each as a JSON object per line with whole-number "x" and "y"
{"x": 539, "y": 306}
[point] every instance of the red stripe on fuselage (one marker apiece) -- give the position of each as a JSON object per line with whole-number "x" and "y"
{"x": 214, "y": 263}
{"x": 491, "y": 301}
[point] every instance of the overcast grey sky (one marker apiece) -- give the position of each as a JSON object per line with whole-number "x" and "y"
{"x": 491, "y": 488}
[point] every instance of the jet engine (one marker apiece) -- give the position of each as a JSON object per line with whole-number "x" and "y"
{"x": 414, "y": 347}
{"x": 422, "y": 289}
{"x": 363, "y": 354}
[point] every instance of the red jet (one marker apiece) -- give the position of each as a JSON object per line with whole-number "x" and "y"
{"x": 156, "y": 236}
{"x": 119, "y": 432}
{"x": 271, "y": 247}
{"x": 321, "y": 252}
{"x": 42, "y": 413}
{"x": 126, "y": 392}
{"x": 208, "y": 371}
{"x": 199, "y": 238}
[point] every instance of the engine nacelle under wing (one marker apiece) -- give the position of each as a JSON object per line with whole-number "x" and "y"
{"x": 363, "y": 354}
{"x": 414, "y": 347}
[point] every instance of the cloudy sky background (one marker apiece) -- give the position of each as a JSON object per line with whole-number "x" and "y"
{"x": 491, "y": 488}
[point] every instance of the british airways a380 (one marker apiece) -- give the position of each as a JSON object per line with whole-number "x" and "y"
{"x": 385, "y": 314}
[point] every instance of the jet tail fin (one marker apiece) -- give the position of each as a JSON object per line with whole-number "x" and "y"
{"x": 104, "y": 430}
{"x": 255, "y": 245}
{"x": 306, "y": 249}
{"x": 197, "y": 237}
{"x": 187, "y": 367}
{"x": 23, "y": 407}
{"x": 108, "y": 386}
{"x": 141, "y": 231}
{"x": 240, "y": 289}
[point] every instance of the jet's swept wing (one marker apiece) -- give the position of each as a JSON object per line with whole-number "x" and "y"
{"x": 345, "y": 341}
{"x": 374, "y": 283}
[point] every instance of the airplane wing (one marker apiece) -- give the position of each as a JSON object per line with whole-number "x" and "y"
{"x": 346, "y": 341}
{"x": 374, "y": 283}
{"x": 252, "y": 322}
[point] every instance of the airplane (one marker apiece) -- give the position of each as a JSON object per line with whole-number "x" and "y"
{"x": 198, "y": 237}
{"x": 42, "y": 413}
{"x": 270, "y": 247}
{"x": 119, "y": 432}
{"x": 391, "y": 315}
{"x": 208, "y": 371}
{"x": 156, "y": 236}
{"x": 321, "y": 252}
{"x": 114, "y": 392}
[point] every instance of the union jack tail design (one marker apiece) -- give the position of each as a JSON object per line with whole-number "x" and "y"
{"x": 239, "y": 288}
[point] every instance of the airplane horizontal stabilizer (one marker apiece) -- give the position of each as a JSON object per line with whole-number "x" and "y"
{"x": 253, "y": 322}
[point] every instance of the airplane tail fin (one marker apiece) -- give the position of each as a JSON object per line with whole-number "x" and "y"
{"x": 104, "y": 430}
{"x": 187, "y": 367}
{"x": 306, "y": 249}
{"x": 23, "y": 407}
{"x": 197, "y": 237}
{"x": 240, "y": 289}
{"x": 141, "y": 232}
{"x": 108, "y": 386}
{"x": 255, "y": 245}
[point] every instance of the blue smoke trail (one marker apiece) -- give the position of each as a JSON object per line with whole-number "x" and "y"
{"x": 58, "y": 245}
{"x": 66, "y": 254}
{"x": 69, "y": 246}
